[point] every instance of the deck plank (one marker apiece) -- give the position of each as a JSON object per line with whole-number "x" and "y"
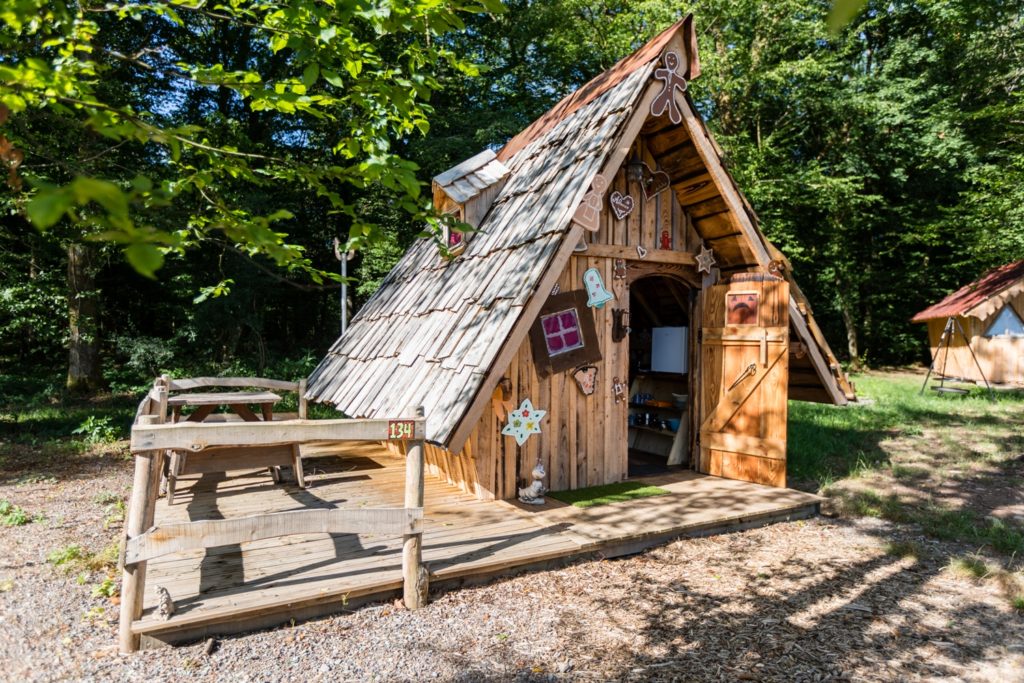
{"x": 463, "y": 536}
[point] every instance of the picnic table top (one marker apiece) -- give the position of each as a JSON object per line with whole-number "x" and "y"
{"x": 223, "y": 398}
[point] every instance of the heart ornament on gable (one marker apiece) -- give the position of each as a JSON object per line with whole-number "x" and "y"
{"x": 654, "y": 183}
{"x": 622, "y": 204}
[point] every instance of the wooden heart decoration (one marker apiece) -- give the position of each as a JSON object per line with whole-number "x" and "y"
{"x": 655, "y": 182}
{"x": 641, "y": 251}
{"x": 622, "y": 204}
{"x": 586, "y": 379}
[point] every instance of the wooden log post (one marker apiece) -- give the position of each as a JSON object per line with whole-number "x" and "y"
{"x": 416, "y": 581}
{"x": 141, "y": 510}
{"x": 302, "y": 399}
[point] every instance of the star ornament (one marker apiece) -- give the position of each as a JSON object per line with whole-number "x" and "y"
{"x": 705, "y": 260}
{"x": 523, "y": 422}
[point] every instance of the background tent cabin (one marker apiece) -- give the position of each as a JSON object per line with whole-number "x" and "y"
{"x": 989, "y": 311}
{"x": 612, "y": 210}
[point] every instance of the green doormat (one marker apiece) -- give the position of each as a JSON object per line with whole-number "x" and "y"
{"x": 609, "y": 493}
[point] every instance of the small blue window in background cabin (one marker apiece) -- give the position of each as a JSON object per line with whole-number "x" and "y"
{"x": 1006, "y": 324}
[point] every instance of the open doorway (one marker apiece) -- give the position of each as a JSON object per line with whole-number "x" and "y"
{"x": 659, "y": 375}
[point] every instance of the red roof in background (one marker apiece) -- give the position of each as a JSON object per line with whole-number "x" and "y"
{"x": 969, "y": 296}
{"x": 603, "y": 82}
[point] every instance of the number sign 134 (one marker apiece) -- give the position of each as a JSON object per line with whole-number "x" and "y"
{"x": 401, "y": 429}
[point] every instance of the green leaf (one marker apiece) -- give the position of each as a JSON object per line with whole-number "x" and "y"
{"x": 310, "y": 74}
{"x": 843, "y": 12}
{"x": 146, "y": 259}
{"x": 47, "y": 207}
{"x": 333, "y": 78}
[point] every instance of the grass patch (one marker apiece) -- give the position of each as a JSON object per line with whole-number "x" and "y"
{"x": 969, "y": 567}
{"x": 904, "y": 549}
{"x": 74, "y": 556}
{"x": 869, "y": 503}
{"x": 964, "y": 525}
{"x": 609, "y": 493}
{"x": 827, "y": 443}
{"x": 66, "y": 557}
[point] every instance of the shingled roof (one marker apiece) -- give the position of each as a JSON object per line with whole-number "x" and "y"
{"x": 979, "y": 298}
{"x": 433, "y": 329}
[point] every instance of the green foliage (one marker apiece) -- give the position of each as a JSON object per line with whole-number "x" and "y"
{"x": 66, "y": 557}
{"x": 107, "y": 588}
{"x": 98, "y": 429}
{"x": 339, "y": 83}
{"x": 13, "y": 515}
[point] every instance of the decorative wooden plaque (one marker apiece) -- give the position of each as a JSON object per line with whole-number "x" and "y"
{"x": 741, "y": 308}
{"x": 554, "y": 345}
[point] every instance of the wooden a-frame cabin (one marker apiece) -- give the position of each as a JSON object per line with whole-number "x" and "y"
{"x": 977, "y": 333}
{"x": 619, "y": 281}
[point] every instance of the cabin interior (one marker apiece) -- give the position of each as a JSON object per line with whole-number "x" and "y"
{"x": 658, "y": 422}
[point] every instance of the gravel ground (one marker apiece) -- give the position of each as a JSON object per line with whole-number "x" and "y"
{"x": 803, "y": 601}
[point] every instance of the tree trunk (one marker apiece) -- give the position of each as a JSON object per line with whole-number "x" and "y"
{"x": 851, "y": 334}
{"x": 84, "y": 374}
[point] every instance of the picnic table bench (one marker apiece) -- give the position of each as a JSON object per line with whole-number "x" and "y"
{"x": 238, "y": 401}
{"x": 248, "y": 391}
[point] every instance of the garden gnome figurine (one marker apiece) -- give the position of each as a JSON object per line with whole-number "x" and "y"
{"x": 597, "y": 294}
{"x": 165, "y": 606}
{"x": 534, "y": 493}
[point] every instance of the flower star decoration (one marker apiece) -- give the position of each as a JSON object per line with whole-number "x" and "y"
{"x": 523, "y": 422}
{"x": 705, "y": 260}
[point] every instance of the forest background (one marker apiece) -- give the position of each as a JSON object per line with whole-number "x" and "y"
{"x": 885, "y": 159}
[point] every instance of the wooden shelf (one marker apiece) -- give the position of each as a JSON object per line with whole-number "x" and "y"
{"x": 647, "y": 407}
{"x": 674, "y": 376}
{"x": 654, "y": 430}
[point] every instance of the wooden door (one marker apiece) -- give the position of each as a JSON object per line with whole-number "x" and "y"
{"x": 744, "y": 355}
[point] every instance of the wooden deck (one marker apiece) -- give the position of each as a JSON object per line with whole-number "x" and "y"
{"x": 263, "y": 583}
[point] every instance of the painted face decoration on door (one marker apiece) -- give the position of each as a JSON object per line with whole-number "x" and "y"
{"x": 741, "y": 308}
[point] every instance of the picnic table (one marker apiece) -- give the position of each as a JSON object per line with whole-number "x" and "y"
{"x": 227, "y": 458}
{"x": 238, "y": 401}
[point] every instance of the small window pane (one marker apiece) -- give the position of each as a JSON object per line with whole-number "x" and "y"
{"x": 1006, "y": 324}
{"x": 562, "y": 331}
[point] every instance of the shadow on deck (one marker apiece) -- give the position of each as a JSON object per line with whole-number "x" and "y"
{"x": 258, "y": 584}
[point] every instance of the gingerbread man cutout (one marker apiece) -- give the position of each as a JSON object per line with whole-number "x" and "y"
{"x": 666, "y": 240}
{"x": 588, "y": 213}
{"x": 666, "y": 98}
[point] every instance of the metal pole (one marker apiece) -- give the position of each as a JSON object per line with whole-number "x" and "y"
{"x": 344, "y": 293}
{"x": 343, "y": 258}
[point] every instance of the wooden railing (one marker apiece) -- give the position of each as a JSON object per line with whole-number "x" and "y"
{"x": 152, "y": 439}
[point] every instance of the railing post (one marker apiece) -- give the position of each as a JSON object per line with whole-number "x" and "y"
{"x": 141, "y": 510}
{"x": 302, "y": 399}
{"x": 414, "y": 574}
